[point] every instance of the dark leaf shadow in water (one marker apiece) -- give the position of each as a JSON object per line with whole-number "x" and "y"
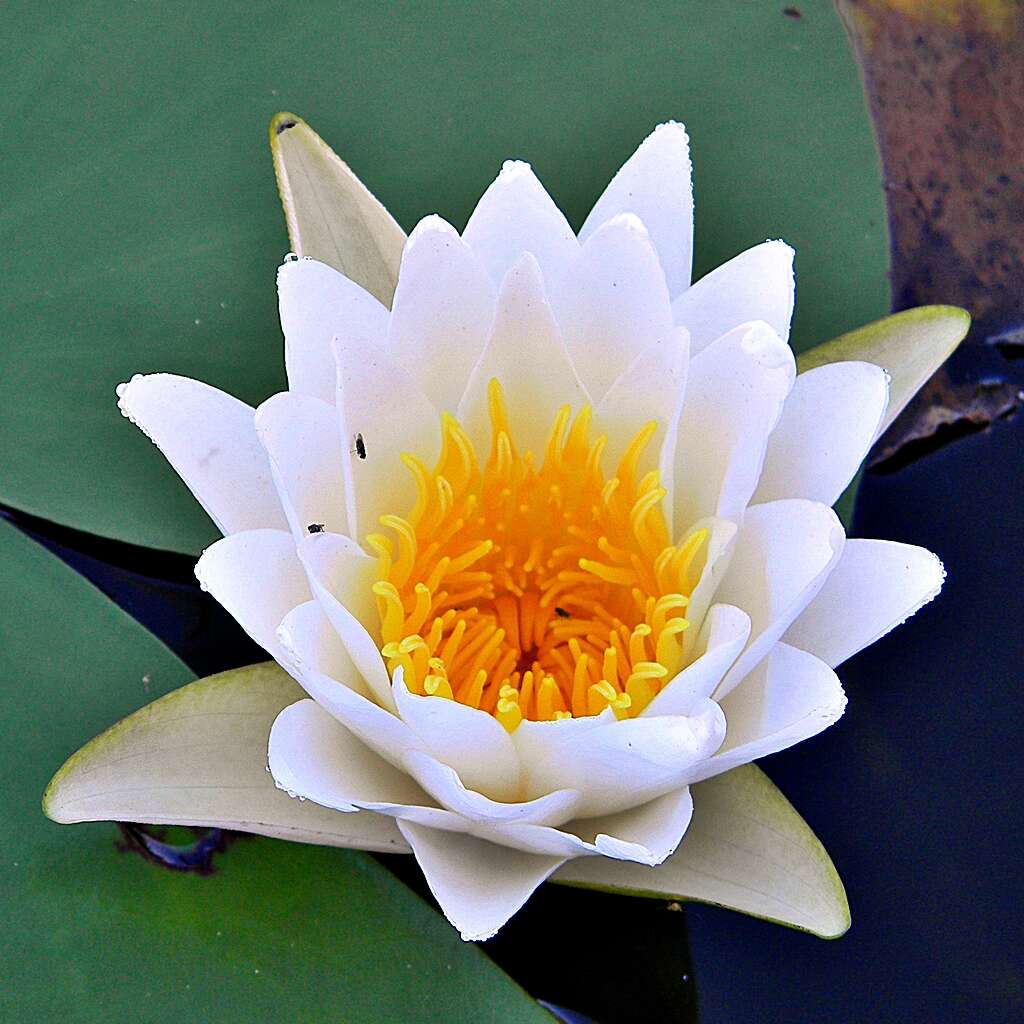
{"x": 196, "y": 857}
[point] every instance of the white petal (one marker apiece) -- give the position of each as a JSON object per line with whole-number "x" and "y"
{"x": 384, "y": 414}
{"x": 789, "y": 697}
{"x": 301, "y": 437}
{"x": 478, "y": 884}
{"x": 312, "y": 747}
{"x": 317, "y": 304}
{"x": 313, "y": 756}
{"x": 645, "y": 834}
{"x": 827, "y": 425}
{"x": 655, "y": 184}
{"x": 210, "y": 440}
{"x": 341, "y": 576}
{"x": 612, "y": 303}
{"x": 257, "y": 577}
{"x": 516, "y": 215}
{"x": 315, "y": 656}
{"x": 553, "y": 807}
{"x": 527, "y": 355}
{"x": 468, "y": 740}
{"x": 617, "y": 765}
{"x": 755, "y": 285}
{"x": 720, "y": 544}
{"x": 723, "y": 635}
{"x": 652, "y": 387}
{"x": 312, "y": 644}
{"x": 442, "y": 313}
{"x": 783, "y": 555}
{"x": 734, "y": 396}
{"x": 876, "y": 586}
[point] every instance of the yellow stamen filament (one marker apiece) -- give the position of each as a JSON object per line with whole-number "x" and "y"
{"x": 539, "y": 592}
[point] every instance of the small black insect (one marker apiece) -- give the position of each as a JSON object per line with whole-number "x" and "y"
{"x": 562, "y": 613}
{"x": 359, "y": 448}
{"x": 315, "y": 528}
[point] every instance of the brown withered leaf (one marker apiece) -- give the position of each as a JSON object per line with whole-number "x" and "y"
{"x": 944, "y": 81}
{"x": 942, "y": 411}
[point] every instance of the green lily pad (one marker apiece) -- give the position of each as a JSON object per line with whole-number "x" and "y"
{"x": 280, "y": 931}
{"x": 145, "y": 230}
{"x": 197, "y": 756}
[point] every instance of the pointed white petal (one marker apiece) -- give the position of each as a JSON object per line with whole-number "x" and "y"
{"x": 527, "y": 355}
{"x": 313, "y": 756}
{"x": 612, "y": 303}
{"x": 829, "y": 421}
{"x": 554, "y": 807}
{"x": 790, "y": 696}
{"x": 783, "y": 555}
{"x": 722, "y": 637}
{"x": 384, "y": 414}
{"x": 910, "y": 346}
{"x": 257, "y": 577}
{"x": 646, "y": 834}
{"x": 516, "y": 215}
{"x": 617, "y": 765}
{"x": 720, "y": 544}
{"x": 734, "y": 396}
{"x": 315, "y": 656}
{"x": 210, "y": 440}
{"x": 442, "y": 314}
{"x": 301, "y": 437}
{"x": 317, "y": 304}
{"x": 478, "y": 884}
{"x": 468, "y": 740}
{"x": 655, "y": 184}
{"x": 341, "y": 576}
{"x": 652, "y": 387}
{"x": 876, "y": 586}
{"x": 311, "y": 643}
{"x": 755, "y": 285}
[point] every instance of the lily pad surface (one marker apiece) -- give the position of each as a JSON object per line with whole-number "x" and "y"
{"x": 143, "y": 221}
{"x": 280, "y": 931}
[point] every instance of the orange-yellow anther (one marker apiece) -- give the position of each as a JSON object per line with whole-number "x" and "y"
{"x": 534, "y": 587}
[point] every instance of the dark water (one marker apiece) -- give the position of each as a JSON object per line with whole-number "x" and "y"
{"x": 917, "y": 793}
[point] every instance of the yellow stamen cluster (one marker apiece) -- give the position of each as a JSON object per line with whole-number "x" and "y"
{"x": 537, "y": 592}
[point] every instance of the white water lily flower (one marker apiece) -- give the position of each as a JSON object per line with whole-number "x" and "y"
{"x": 550, "y": 540}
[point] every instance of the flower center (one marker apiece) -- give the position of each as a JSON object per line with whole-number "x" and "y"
{"x": 535, "y": 591}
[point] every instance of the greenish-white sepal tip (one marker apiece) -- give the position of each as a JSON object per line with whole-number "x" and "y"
{"x": 910, "y": 346}
{"x": 331, "y": 215}
{"x": 198, "y": 756}
{"x": 748, "y": 850}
